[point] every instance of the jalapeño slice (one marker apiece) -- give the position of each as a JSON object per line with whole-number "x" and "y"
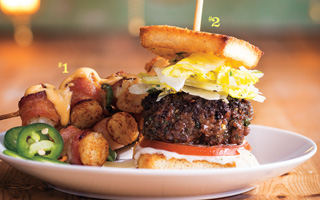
{"x": 13, "y": 154}
{"x": 10, "y": 138}
{"x": 39, "y": 140}
{"x": 47, "y": 160}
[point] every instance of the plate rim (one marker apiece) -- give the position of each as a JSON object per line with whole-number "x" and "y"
{"x": 205, "y": 196}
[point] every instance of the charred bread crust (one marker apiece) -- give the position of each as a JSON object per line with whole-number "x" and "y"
{"x": 159, "y": 161}
{"x": 170, "y": 41}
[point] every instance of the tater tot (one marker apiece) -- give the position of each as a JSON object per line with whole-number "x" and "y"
{"x": 126, "y": 101}
{"x": 123, "y": 128}
{"x": 93, "y": 149}
{"x": 101, "y": 127}
{"x": 86, "y": 114}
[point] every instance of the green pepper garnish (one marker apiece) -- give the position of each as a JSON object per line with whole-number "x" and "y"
{"x": 109, "y": 97}
{"x": 112, "y": 155}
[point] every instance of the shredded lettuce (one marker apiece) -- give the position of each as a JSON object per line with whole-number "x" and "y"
{"x": 203, "y": 75}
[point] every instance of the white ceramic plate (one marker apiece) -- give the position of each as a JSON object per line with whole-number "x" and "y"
{"x": 278, "y": 151}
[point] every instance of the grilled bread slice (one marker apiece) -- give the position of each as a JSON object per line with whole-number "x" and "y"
{"x": 159, "y": 161}
{"x": 175, "y": 43}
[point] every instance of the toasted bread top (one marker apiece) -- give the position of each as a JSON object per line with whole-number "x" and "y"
{"x": 170, "y": 41}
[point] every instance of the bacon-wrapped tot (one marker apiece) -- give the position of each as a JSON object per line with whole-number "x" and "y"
{"x": 123, "y": 99}
{"x": 36, "y": 108}
{"x": 84, "y": 147}
{"x": 46, "y": 104}
{"x": 86, "y": 113}
{"x": 86, "y": 101}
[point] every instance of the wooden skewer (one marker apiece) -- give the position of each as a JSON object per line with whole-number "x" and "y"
{"x": 9, "y": 115}
{"x": 198, "y": 15}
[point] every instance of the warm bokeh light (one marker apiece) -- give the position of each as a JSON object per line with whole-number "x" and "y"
{"x": 23, "y": 36}
{"x": 19, "y": 7}
{"x": 314, "y": 11}
{"x": 19, "y": 11}
{"x": 135, "y": 16}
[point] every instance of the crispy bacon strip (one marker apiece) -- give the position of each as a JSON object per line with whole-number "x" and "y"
{"x": 83, "y": 88}
{"x": 70, "y": 137}
{"x": 36, "y": 107}
{"x": 84, "y": 147}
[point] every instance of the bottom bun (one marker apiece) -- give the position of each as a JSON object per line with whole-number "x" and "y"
{"x": 159, "y": 161}
{"x": 152, "y": 158}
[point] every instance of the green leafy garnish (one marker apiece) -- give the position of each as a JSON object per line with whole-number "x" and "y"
{"x": 112, "y": 155}
{"x": 246, "y": 122}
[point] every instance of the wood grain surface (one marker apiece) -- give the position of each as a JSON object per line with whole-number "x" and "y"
{"x": 291, "y": 84}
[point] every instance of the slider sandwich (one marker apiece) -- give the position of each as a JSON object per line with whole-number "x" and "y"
{"x": 197, "y": 112}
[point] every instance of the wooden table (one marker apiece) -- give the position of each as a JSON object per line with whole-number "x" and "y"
{"x": 291, "y": 84}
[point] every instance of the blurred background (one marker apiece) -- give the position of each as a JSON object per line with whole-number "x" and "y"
{"x": 45, "y": 41}
{"x": 36, "y": 37}
{"x": 112, "y": 17}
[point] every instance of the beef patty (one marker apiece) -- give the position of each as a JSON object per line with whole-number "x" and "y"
{"x": 188, "y": 119}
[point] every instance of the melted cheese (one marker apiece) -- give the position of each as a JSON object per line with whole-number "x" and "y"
{"x": 90, "y": 74}
{"x": 245, "y": 159}
{"x": 61, "y": 99}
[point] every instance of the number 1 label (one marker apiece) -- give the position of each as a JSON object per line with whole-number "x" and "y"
{"x": 65, "y": 71}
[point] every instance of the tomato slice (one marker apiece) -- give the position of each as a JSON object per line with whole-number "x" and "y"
{"x": 219, "y": 150}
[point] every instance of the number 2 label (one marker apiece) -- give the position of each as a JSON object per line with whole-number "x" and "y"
{"x": 215, "y": 21}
